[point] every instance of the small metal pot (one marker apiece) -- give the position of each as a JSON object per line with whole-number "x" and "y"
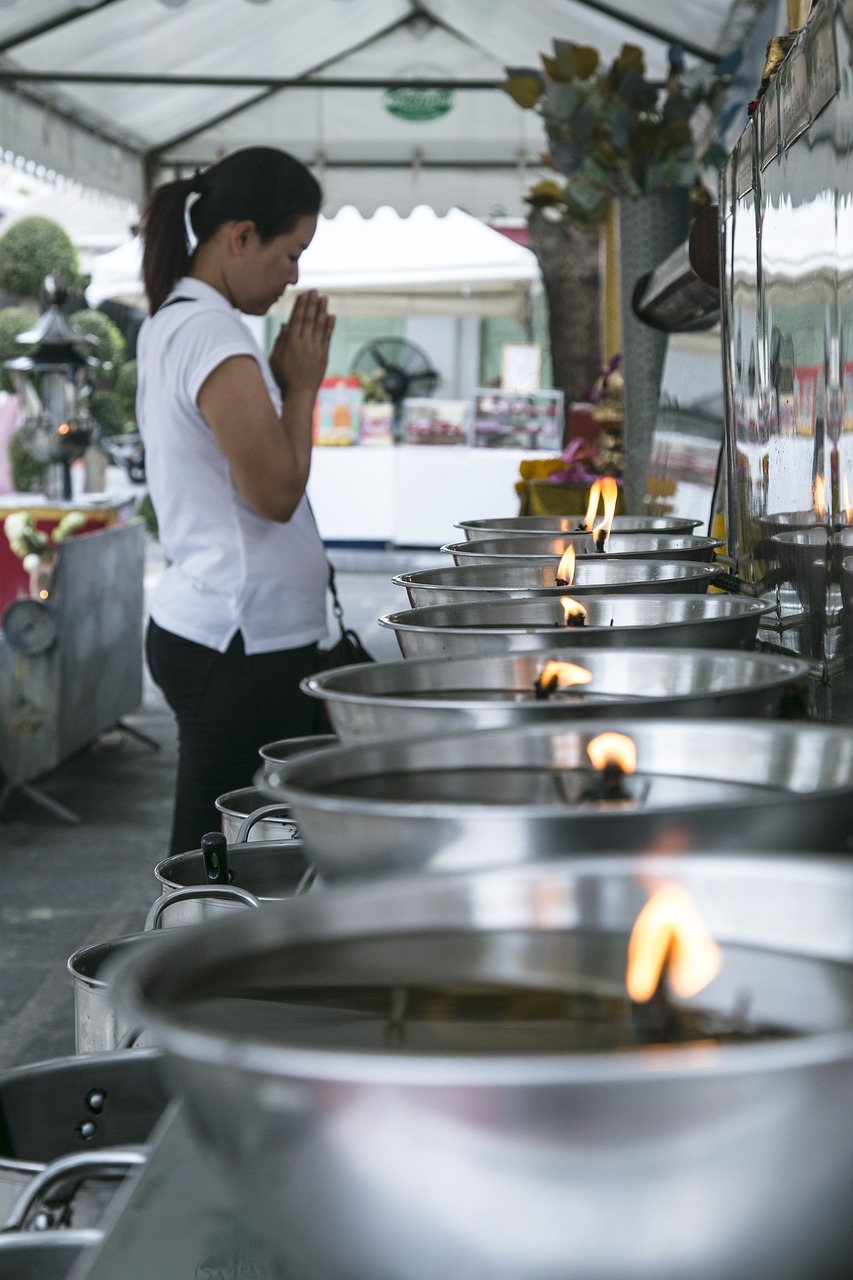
{"x": 27, "y": 1255}
{"x": 270, "y": 820}
{"x": 72, "y": 1105}
{"x": 524, "y": 525}
{"x": 276, "y": 754}
{"x": 469, "y": 583}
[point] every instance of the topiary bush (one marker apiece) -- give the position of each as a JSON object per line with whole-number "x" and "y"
{"x": 111, "y": 347}
{"x": 31, "y": 249}
{"x": 13, "y": 320}
{"x": 27, "y": 471}
{"x": 107, "y": 410}
{"x": 126, "y": 384}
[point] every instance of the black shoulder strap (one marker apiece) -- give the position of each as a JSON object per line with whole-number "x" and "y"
{"x": 171, "y": 302}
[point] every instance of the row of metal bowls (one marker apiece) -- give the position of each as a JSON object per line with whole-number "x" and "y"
{"x": 371, "y": 1142}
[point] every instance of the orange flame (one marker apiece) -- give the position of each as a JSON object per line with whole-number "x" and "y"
{"x": 571, "y": 609}
{"x": 845, "y": 493}
{"x": 566, "y": 567}
{"x": 564, "y": 673}
{"x": 819, "y": 496}
{"x": 613, "y": 748}
{"x": 592, "y": 504}
{"x": 63, "y": 429}
{"x": 669, "y": 932}
{"x": 609, "y": 497}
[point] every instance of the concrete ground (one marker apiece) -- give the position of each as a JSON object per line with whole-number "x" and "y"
{"x": 66, "y": 886}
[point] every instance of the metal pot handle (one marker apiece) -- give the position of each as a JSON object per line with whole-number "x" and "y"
{"x": 195, "y": 891}
{"x": 86, "y": 1163}
{"x": 282, "y": 810}
{"x": 214, "y": 853}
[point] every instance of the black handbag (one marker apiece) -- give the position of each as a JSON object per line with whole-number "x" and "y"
{"x": 348, "y": 649}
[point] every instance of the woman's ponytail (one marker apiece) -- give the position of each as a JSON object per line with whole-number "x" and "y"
{"x": 166, "y": 253}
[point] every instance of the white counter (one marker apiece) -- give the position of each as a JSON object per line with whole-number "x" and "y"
{"x": 411, "y": 495}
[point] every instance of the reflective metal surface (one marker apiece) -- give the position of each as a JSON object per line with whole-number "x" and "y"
{"x": 462, "y": 800}
{"x": 435, "y": 695}
{"x": 787, "y": 236}
{"x": 505, "y": 626}
{"x": 709, "y": 1161}
{"x": 269, "y": 870}
{"x": 472, "y": 582}
{"x": 236, "y": 806}
{"x": 516, "y": 525}
{"x": 26, "y": 1255}
{"x": 540, "y": 549}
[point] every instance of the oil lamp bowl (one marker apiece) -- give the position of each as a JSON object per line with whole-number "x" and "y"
{"x": 619, "y": 621}
{"x": 472, "y": 582}
{"x": 370, "y": 1131}
{"x": 436, "y": 695}
{"x": 543, "y": 549}
{"x": 455, "y": 801}
{"x": 555, "y": 525}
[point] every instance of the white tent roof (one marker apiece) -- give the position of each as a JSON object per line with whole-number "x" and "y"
{"x": 384, "y": 265}
{"x": 392, "y": 101}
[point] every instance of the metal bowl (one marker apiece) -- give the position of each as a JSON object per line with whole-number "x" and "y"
{"x": 467, "y": 583}
{"x": 275, "y": 754}
{"x": 268, "y": 870}
{"x": 517, "y": 525}
{"x": 440, "y": 695}
{"x": 455, "y": 1147}
{"x": 513, "y": 626}
{"x": 27, "y": 1255}
{"x": 503, "y": 796}
{"x": 529, "y": 549}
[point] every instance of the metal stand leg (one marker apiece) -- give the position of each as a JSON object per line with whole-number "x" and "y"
{"x": 140, "y": 737}
{"x": 47, "y": 802}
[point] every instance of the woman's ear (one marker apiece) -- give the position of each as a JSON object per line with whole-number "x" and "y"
{"x": 240, "y": 235}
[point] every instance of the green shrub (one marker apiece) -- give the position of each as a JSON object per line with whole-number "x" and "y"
{"x": 146, "y": 511}
{"x": 108, "y": 411}
{"x": 27, "y": 471}
{"x": 126, "y": 384}
{"x": 111, "y": 347}
{"x": 31, "y": 249}
{"x": 13, "y": 320}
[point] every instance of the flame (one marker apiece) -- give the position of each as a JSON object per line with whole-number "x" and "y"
{"x": 565, "y": 674}
{"x": 43, "y": 594}
{"x": 819, "y": 496}
{"x": 592, "y": 504}
{"x": 571, "y": 609}
{"x": 669, "y": 932}
{"x": 613, "y": 748}
{"x": 609, "y": 497}
{"x": 848, "y": 508}
{"x": 566, "y": 567}
{"x": 63, "y": 429}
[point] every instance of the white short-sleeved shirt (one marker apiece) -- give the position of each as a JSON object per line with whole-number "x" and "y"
{"x": 230, "y": 569}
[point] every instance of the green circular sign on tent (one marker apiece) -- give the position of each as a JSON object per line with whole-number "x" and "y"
{"x": 420, "y": 102}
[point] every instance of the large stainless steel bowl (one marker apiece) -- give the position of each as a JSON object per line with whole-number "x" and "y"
{"x": 368, "y": 1140}
{"x": 503, "y": 796}
{"x": 514, "y": 626}
{"x": 530, "y": 549}
{"x": 471, "y": 582}
{"x": 440, "y": 695}
{"x": 269, "y": 870}
{"x": 572, "y": 524}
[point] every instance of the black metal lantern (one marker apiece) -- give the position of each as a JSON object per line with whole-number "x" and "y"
{"x": 54, "y": 387}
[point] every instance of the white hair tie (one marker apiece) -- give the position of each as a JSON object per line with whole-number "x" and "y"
{"x": 192, "y": 238}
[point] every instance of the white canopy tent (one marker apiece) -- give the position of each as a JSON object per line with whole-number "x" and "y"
{"x": 386, "y": 265}
{"x": 393, "y": 102}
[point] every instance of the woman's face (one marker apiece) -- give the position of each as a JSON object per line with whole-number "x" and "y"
{"x": 268, "y": 268}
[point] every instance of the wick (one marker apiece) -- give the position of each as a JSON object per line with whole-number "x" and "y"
{"x": 656, "y": 1020}
{"x": 607, "y": 783}
{"x": 546, "y": 688}
{"x": 575, "y": 620}
{"x": 600, "y": 539}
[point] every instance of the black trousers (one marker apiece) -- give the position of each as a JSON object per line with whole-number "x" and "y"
{"x": 227, "y": 706}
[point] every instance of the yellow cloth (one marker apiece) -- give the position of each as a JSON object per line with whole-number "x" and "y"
{"x": 539, "y": 498}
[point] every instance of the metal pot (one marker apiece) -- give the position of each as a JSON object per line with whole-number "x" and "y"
{"x": 71, "y": 1105}
{"x": 268, "y": 870}
{"x": 29, "y": 1256}
{"x": 523, "y": 525}
{"x": 515, "y": 626}
{"x": 80, "y": 1185}
{"x": 504, "y": 796}
{"x": 270, "y": 820}
{"x": 440, "y": 695}
{"x": 481, "y": 1148}
{"x": 276, "y": 754}
{"x": 529, "y": 549}
{"x": 471, "y": 582}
